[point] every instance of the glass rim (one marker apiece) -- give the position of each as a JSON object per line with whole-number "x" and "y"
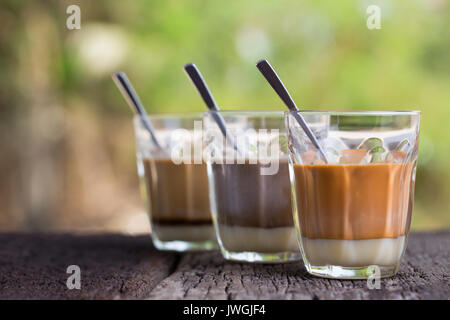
{"x": 359, "y": 112}
{"x": 245, "y": 111}
{"x": 200, "y": 114}
{"x": 172, "y": 116}
{"x": 312, "y": 111}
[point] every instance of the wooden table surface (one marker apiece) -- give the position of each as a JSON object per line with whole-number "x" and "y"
{"x": 33, "y": 266}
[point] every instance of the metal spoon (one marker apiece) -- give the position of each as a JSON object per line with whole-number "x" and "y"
{"x": 271, "y": 76}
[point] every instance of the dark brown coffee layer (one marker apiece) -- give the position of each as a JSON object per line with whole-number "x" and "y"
{"x": 244, "y": 197}
{"x": 180, "y": 222}
{"x": 177, "y": 193}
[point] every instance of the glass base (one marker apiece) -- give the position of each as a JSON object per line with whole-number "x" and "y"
{"x": 350, "y": 273}
{"x": 259, "y": 257}
{"x": 182, "y": 246}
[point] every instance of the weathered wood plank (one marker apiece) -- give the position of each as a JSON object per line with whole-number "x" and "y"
{"x": 424, "y": 274}
{"x": 33, "y": 266}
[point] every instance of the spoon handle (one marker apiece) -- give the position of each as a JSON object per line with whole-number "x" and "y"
{"x": 130, "y": 95}
{"x": 275, "y": 82}
{"x": 271, "y": 76}
{"x": 200, "y": 84}
{"x": 197, "y": 79}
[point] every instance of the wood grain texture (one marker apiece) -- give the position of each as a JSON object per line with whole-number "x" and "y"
{"x": 33, "y": 266}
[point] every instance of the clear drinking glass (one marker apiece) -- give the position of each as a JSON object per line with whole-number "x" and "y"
{"x": 174, "y": 182}
{"x": 249, "y": 186}
{"x": 352, "y": 213}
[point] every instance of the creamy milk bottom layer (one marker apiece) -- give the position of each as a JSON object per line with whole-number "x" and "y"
{"x": 263, "y": 240}
{"x": 353, "y": 253}
{"x": 192, "y": 233}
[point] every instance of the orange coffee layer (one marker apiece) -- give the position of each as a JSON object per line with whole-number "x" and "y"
{"x": 177, "y": 192}
{"x": 354, "y": 202}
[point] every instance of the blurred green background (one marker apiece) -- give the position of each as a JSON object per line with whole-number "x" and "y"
{"x": 68, "y": 153}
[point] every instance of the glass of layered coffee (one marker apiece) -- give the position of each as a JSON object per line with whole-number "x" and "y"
{"x": 352, "y": 208}
{"x": 174, "y": 182}
{"x": 249, "y": 186}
